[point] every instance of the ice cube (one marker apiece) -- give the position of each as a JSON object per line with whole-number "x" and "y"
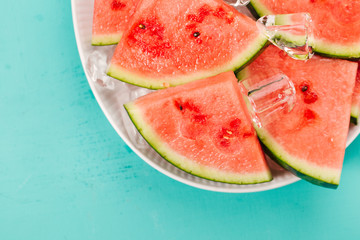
{"x": 289, "y": 32}
{"x": 96, "y": 67}
{"x": 268, "y": 93}
{"x": 236, "y": 3}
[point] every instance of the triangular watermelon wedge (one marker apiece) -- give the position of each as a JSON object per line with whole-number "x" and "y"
{"x": 171, "y": 42}
{"x": 110, "y": 19}
{"x": 355, "y": 106}
{"x": 310, "y": 140}
{"x": 203, "y": 128}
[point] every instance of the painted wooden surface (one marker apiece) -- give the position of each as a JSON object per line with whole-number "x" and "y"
{"x": 66, "y": 174}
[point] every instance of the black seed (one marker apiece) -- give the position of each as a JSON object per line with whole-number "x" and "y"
{"x": 196, "y": 34}
{"x": 304, "y": 88}
{"x": 142, "y": 26}
{"x": 180, "y": 107}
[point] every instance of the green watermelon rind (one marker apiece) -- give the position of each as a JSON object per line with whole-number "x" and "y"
{"x": 257, "y": 9}
{"x": 321, "y": 176}
{"x": 185, "y": 164}
{"x": 332, "y": 50}
{"x": 236, "y": 64}
{"x": 107, "y": 39}
{"x": 355, "y": 112}
{"x": 338, "y": 51}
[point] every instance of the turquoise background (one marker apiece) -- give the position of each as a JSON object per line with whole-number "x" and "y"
{"x": 66, "y": 174}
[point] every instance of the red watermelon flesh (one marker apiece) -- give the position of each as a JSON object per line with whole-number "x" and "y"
{"x": 336, "y": 22}
{"x": 171, "y": 42}
{"x": 355, "y": 106}
{"x": 310, "y": 140}
{"x": 110, "y": 19}
{"x": 203, "y": 128}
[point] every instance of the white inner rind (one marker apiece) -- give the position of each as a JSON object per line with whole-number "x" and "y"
{"x": 186, "y": 164}
{"x": 336, "y": 49}
{"x": 355, "y": 111}
{"x": 106, "y": 39}
{"x": 260, "y": 8}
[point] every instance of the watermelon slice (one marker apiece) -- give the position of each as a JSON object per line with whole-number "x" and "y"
{"x": 172, "y": 42}
{"x": 203, "y": 128}
{"x": 336, "y": 22}
{"x": 110, "y": 19}
{"x": 310, "y": 140}
{"x": 355, "y": 106}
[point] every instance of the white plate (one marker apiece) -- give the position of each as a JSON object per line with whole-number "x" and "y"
{"x": 111, "y": 102}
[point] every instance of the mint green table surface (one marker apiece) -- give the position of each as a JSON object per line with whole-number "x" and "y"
{"x": 66, "y": 174}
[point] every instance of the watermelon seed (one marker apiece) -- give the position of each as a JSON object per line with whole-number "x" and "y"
{"x": 142, "y": 26}
{"x": 181, "y": 107}
{"x": 196, "y": 34}
{"x": 304, "y": 88}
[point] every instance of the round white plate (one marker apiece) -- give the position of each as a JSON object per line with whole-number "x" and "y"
{"x": 115, "y": 93}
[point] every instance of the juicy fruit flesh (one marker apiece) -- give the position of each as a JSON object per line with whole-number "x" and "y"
{"x": 110, "y": 19}
{"x": 315, "y": 131}
{"x": 202, "y": 39}
{"x": 203, "y": 123}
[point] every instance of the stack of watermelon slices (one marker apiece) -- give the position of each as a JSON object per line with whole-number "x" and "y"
{"x": 203, "y": 126}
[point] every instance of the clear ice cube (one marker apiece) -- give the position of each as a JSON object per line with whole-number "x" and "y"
{"x": 236, "y": 3}
{"x": 268, "y": 93}
{"x": 96, "y": 67}
{"x": 289, "y": 32}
